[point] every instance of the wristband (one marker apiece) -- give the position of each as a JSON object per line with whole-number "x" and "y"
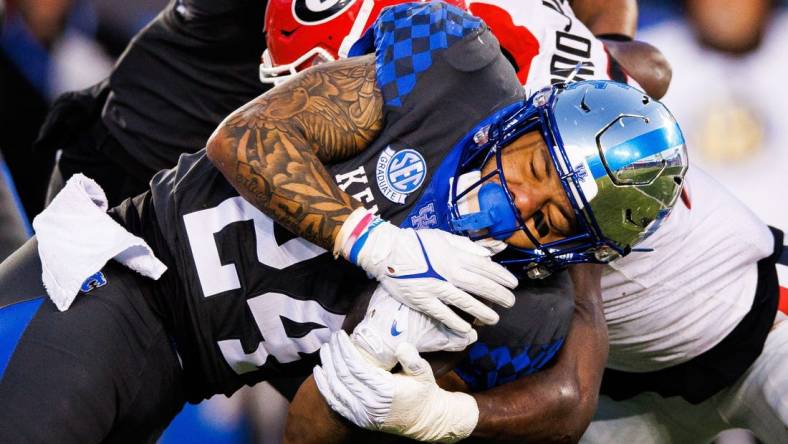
{"x": 352, "y": 252}
{"x": 354, "y": 232}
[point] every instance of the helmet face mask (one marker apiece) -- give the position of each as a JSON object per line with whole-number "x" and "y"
{"x": 270, "y": 73}
{"x": 620, "y": 158}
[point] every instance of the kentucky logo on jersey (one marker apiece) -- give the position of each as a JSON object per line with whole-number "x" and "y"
{"x": 425, "y": 217}
{"x": 400, "y": 173}
{"x": 93, "y": 282}
{"x": 315, "y": 12}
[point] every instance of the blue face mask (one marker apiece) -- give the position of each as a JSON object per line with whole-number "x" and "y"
{"x": 495, "y": 216}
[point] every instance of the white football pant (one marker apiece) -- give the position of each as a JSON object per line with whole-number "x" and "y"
{"x": 758, "y": 401}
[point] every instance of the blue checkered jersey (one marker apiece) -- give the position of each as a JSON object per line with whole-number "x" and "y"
{"x": 407, "y": 37}
{"x": 527, "y": 337}
{"x": 441, "y": 72}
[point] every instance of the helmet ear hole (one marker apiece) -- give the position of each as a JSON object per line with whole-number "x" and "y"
{"x": 678, "y": 180}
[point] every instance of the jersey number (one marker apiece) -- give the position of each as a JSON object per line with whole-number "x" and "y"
{"x": 267, "y": 308}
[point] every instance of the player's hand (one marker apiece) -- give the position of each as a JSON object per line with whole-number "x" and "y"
{"x": 408, "y": 404}
{"x": 428, "y": 270}
{"x": 388, "y": 323}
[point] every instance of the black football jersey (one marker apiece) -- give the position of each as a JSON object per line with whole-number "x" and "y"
{"x": 245, "y": 299}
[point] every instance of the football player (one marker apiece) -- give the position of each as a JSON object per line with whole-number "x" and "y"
{"x": 690, "y": 355}
{"x": 253, "y": 147}
{"x": 674, "y": 358}
{"x": 229, "y": 312}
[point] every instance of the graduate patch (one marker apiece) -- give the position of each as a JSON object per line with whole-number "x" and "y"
{"x": 400, "y": 173}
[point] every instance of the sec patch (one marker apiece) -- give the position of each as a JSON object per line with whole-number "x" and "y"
{"x": 400, "y": 173}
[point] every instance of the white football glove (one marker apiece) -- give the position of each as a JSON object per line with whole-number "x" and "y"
{"x": 388, "y": 323}
{"x": 408, "y": 404}
{"x": 427, "y": 269}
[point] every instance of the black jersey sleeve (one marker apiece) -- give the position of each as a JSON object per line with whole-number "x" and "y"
{"x": 196, "y": 62}
{"x": 210, "y": 9}
{"x": 221, "y": 22}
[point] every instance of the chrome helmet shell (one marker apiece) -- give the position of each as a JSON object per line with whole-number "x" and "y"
{"x": 621, "y": 159}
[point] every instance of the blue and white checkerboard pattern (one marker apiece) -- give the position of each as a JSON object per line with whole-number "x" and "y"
{"x": 485, "y": 367}
{"x": 406, "y": 37}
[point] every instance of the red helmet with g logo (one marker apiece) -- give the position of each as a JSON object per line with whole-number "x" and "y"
{"x": 303, "y": 33}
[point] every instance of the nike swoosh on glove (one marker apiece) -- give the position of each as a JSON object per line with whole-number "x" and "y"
{"x": 388, "y": 323}
{"x": 408, "y": 404}
{"x": 427, "y": 270}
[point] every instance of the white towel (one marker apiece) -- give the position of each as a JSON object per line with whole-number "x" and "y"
{"x": 76, "y": 238}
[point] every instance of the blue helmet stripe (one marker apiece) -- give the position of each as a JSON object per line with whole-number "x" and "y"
{"x": 637, "y": 149}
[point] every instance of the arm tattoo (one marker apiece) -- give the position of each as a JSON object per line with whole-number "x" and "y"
{"x": 271, "y": 149}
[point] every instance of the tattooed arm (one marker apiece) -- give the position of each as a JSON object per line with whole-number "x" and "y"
{"x": 273, "y": 148}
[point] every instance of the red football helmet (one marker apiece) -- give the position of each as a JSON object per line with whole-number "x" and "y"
{"x": 303, "y": 33}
